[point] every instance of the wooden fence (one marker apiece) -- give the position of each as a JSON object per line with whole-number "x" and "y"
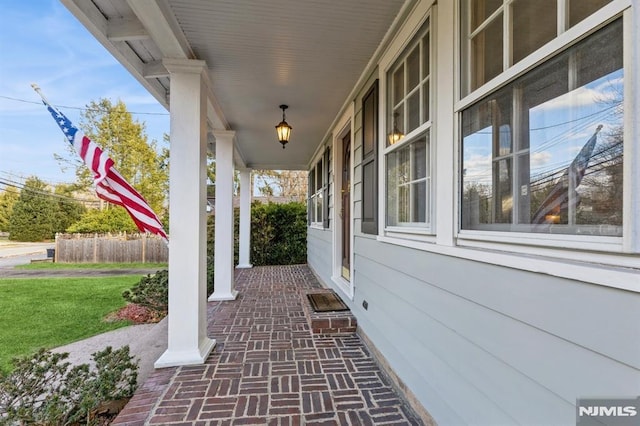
{"x": 109, "y": 248}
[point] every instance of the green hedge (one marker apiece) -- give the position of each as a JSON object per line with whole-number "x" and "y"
{"x": 278, "y": 235}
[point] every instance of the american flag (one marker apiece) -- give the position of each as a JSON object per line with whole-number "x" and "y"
{"x": 110, "y": 185}
{"x": 559, "y": 197}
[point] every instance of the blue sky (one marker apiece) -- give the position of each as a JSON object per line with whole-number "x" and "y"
{"x": 41, "y": 42}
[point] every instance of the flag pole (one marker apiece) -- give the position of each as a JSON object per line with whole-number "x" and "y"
{"x": 35, "y": 87}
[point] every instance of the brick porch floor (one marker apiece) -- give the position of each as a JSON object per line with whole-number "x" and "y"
{"x": 269, "y": 369}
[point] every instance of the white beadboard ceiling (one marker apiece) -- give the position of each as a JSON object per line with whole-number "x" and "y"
{"x": 308, "y": 54}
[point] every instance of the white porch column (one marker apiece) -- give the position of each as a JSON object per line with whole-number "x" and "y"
{"x": 244, "y": 257}
{"x": 187, "y": 322}
{"x": 223, "y": 275}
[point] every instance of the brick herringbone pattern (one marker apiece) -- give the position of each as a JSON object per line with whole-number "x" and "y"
{"x": 269, "y": 369}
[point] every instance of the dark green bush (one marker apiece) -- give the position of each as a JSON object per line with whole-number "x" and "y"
{"x": 151, "y": 292}
{"x": 278, "y": 236}
{"x": 278, "y": 233}
{"x": 45, "y": 390}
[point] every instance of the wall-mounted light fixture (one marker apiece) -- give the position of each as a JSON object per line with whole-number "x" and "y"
{"x": 396, "y": 134}
{"x": 283, "y": 129}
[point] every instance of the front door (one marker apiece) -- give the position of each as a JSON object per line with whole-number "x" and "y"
{"x": 346, "y": 207}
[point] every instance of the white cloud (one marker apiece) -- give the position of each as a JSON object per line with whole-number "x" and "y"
{"x": 603, "y": 91}
{"x": 539, "y": 159}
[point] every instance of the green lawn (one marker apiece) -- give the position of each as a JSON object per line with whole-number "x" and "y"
{"x": 51, "y": 265}
{"x": 50, "y": 312}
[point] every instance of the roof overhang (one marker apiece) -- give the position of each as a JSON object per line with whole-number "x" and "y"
{"x": 311, "y": 56}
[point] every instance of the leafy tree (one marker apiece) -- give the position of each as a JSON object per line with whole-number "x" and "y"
{"x": 112, "y": 128}
{"x": 211, "y": 177}
{"x": 33, "y": 214}
{"x": 67, "y": 210}
{"x": 109, "y": 219}
{"x": 283, "y": 183}
{"x": 8, "y": 198}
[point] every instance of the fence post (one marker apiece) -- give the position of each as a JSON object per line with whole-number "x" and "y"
{"x": 144, "y": 248}
{"x": 95, "y": 248}
{"x": 55, "y": 250}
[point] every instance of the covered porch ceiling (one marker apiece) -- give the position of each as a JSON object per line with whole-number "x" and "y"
{"x": 307, "y": 54}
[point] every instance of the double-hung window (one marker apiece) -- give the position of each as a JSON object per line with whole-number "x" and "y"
{"x": 318, "y": 203}
{"x": 408, "y": 152}
{"x": 541, "y": 150}
{"x": 316, "y": 194}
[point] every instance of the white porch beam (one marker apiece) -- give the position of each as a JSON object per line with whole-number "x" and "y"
{"x": 187, "y": 323}
{"x": 126, "y": 30}
{"x": 223, "y": 275}
{"x": 163, "y": 27}
{"x": 244, "y": 258}
{"x": 155, "y": 69}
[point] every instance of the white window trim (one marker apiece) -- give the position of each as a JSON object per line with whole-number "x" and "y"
{"x": 534, "y": 243}
{"x": 549, "y": 50}
{"x": 410, "y": 230}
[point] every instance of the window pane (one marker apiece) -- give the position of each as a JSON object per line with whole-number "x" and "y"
{"x": 481, "y": 10}
{"x": 419, "y": 202}
{"x": 567, "y": 176}
{"x": 392, "y": 192}
{"x": 319, "y": 208}
{"x": 403, "y": 204}
{"x": 398, "y": 85}
{"x": 408, "y": 184}
{"x": 486, "y": 54}
{"x": 319, "y": 179}
{"x": 426, "y": 56}
{"x": 426, "y": 101}
{"x": 502, "y": 173}
{"x": 396, "y": 123}
{"x": 413, "y": 69}
{"x": 313, "y": 209}
{"x": 419, "y": 160}
{"x": 312, "y": 181}
{"x": 580, "y": 9}
{"x": 534, "y": 24}
{"x": 413, "y": 110}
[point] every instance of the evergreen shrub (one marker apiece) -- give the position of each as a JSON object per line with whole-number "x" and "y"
{"x": 46, "y": 390}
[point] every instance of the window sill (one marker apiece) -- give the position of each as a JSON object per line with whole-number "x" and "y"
{"x": 555, "y": 241}
{"x": 612, "y": 270}
{"x": 407, "y": 231}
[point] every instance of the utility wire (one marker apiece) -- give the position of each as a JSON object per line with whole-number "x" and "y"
{"x": 79, "y": 108}
{"x": 22, "y": 187}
